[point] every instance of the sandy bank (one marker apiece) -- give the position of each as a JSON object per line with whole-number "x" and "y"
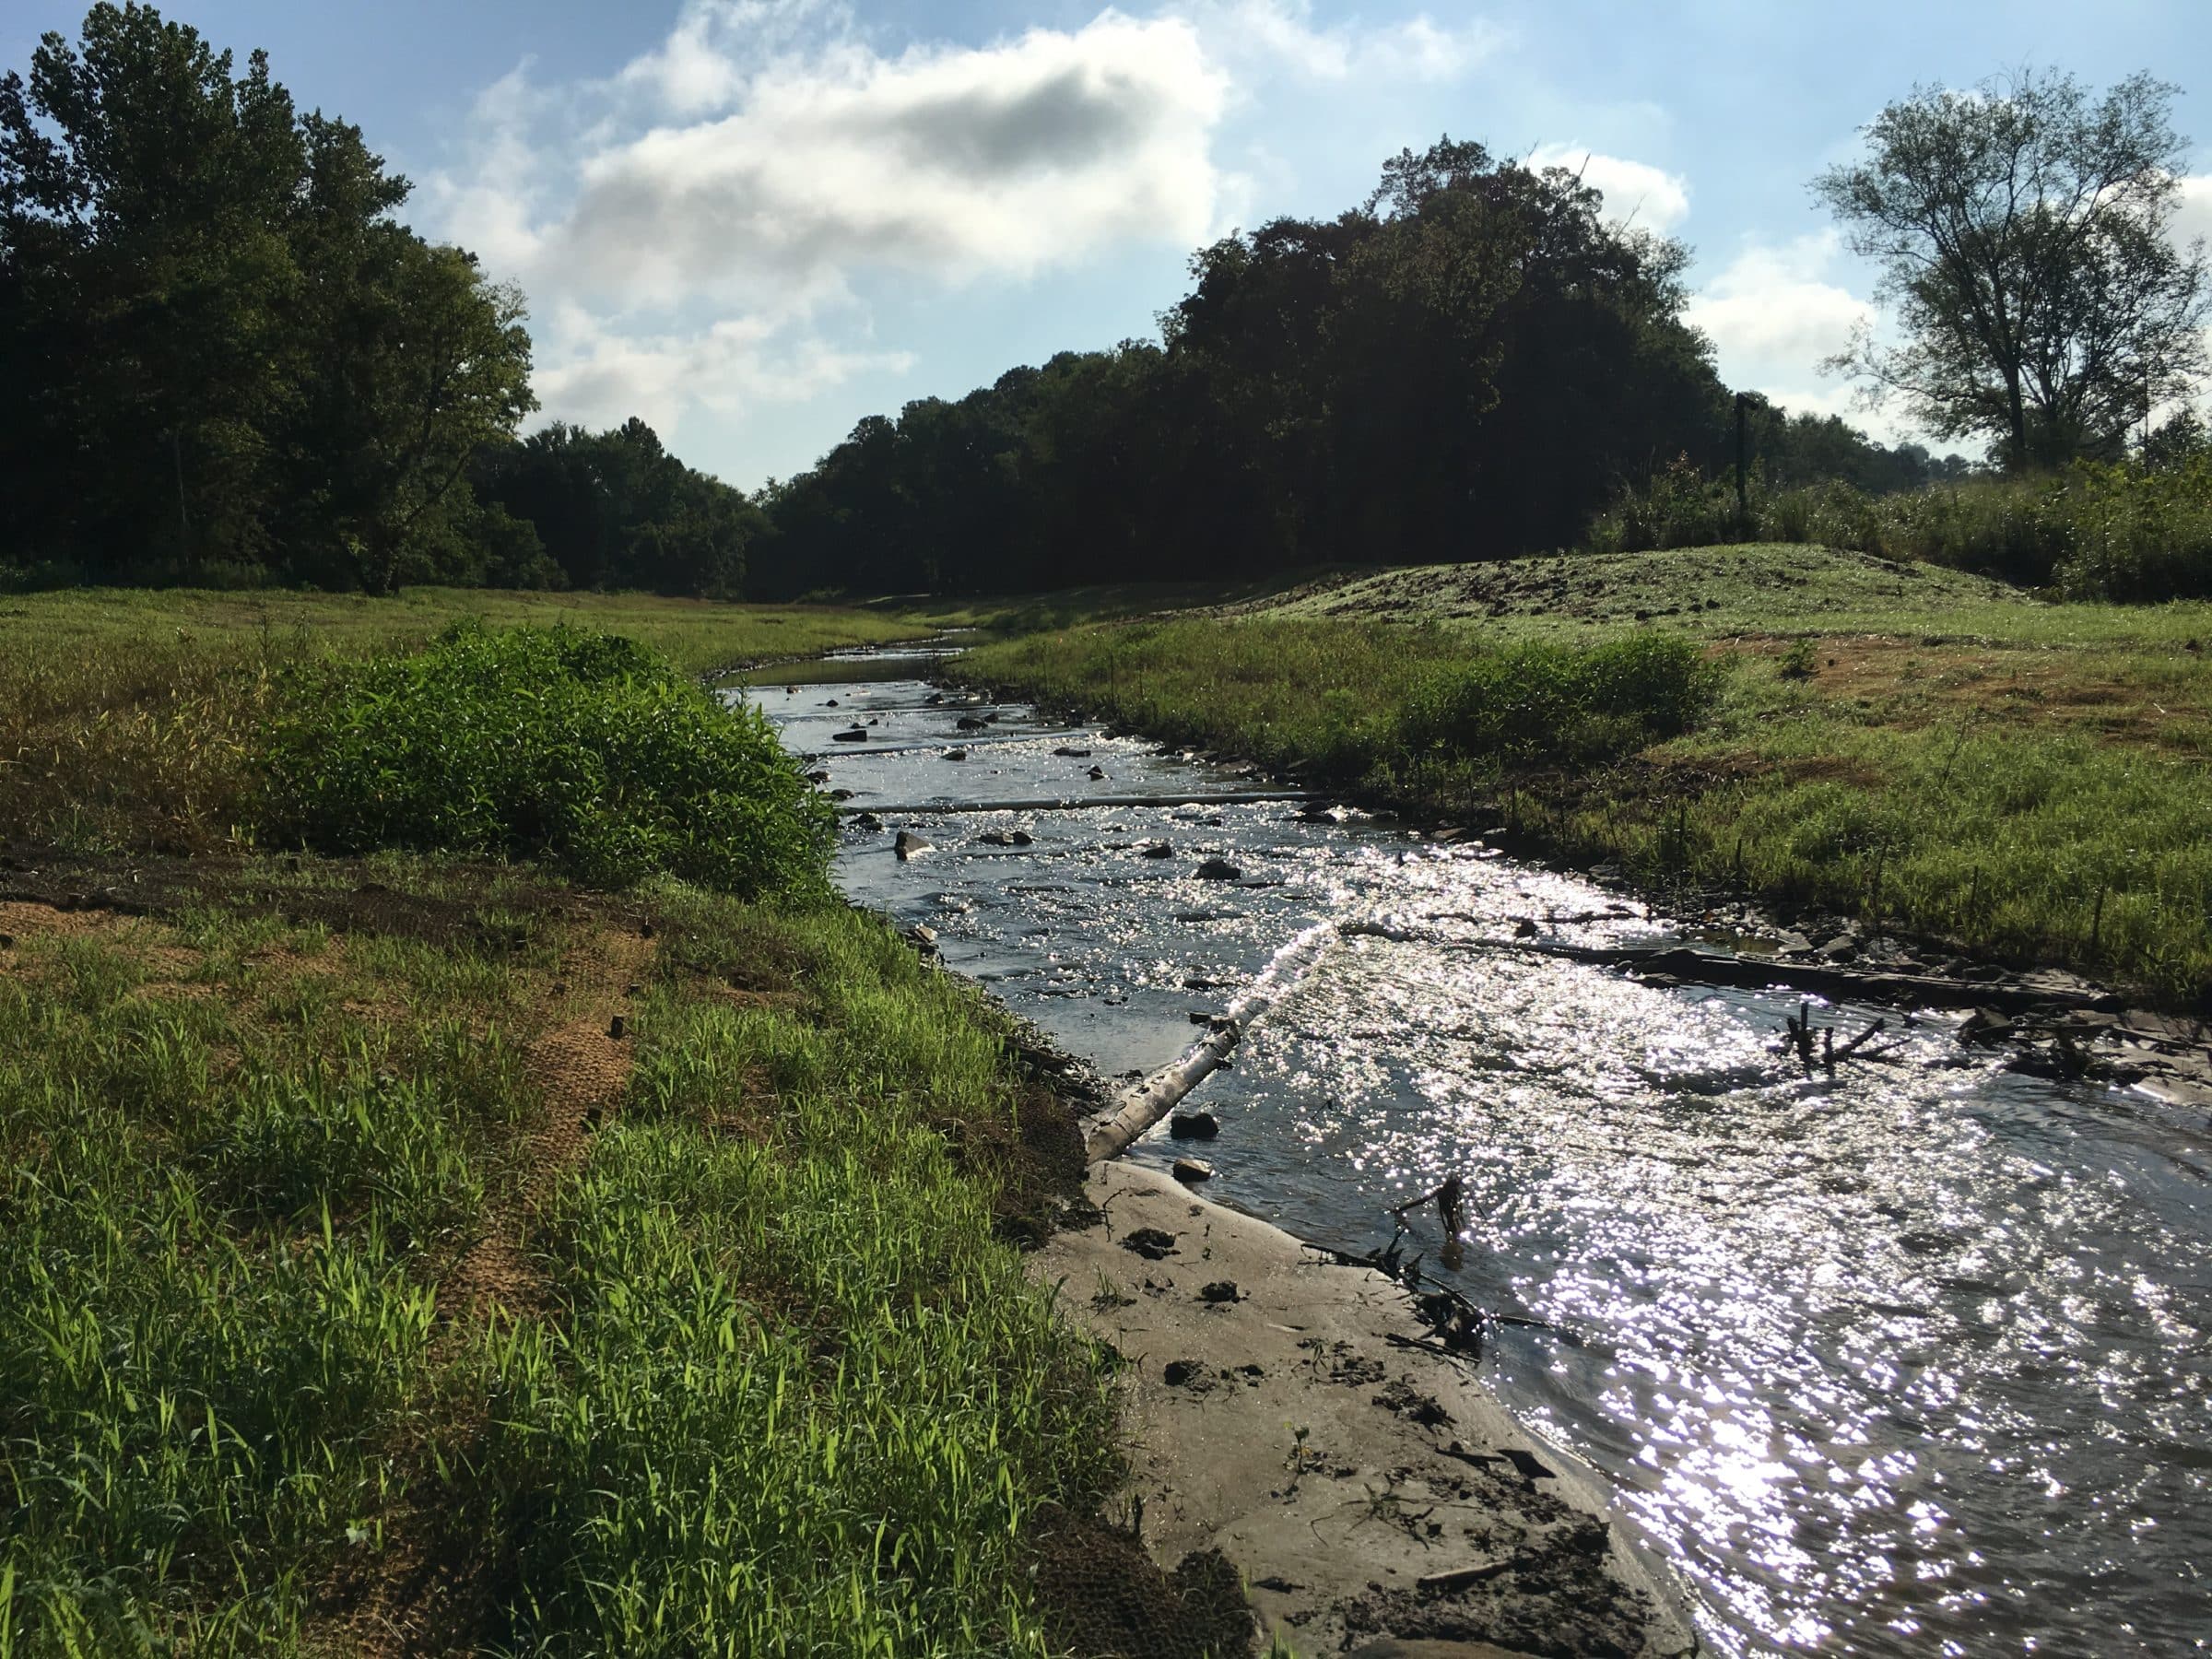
{"x": 1412, "y": 1510}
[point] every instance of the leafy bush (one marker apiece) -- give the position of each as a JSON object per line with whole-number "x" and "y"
{"x": 586, "y": 750}
{"x": 1555, "y": 704}
{"x": 1678, "y": 508}
{"x": 2104, "y": 532}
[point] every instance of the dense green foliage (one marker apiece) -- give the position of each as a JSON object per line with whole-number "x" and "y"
{"x": 586, "y": 750}
{"x": 1368, "y": 702}
{"x": 615, "y": 509}
{"x": 1461, "y": 368}
{"x": 224, "y": 354}
{"x": 2121, "y": 531}
{"x": 1540, "y": 703}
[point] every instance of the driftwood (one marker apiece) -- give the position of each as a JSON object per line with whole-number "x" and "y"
{"x": 1802, "y": 1032}
{"x": 1239, "y": 798}
{"x": 1763, "y": 974}
{"x": 1137, "y": 1109}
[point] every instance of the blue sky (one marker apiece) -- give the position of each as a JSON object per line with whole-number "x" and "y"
{"x": 754, "y": 221}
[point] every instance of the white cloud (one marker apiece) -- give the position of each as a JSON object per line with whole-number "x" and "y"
{"x": 1774, "y": 313}
{"x": 1281, "y": 33}
{"x": 2194, "y": 218}
{"x": 951, "y": 161}
{"x": 1636, "y": 193}
{"x": 692, "y": 230}
{"x": 602, "y": 376}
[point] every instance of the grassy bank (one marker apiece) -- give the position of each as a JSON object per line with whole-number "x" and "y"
{"x": 1925, "y": 750}
{"x": 485, "y": 1247}
{"x": 127, "y": 713}
{"x": 354, "y": 1275}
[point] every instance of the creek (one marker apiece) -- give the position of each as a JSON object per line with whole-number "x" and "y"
{"x": 1912, "y": 1359}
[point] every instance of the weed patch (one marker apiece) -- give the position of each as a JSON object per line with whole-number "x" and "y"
{"x": 583, "y": 750}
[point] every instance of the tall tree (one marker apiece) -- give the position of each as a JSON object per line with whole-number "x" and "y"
{"x": 143, "y": 275}
{"x": 225, "y": 345}
{"x": 2024, "y": 235}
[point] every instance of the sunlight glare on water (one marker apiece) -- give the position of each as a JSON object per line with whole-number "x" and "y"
{"x": 1911, "y": 1361}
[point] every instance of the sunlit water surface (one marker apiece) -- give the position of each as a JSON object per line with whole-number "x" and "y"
{"x": 1911, "y": 1361}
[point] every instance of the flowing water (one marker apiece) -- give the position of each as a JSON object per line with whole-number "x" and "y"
{"x": 1914, "y": 1361}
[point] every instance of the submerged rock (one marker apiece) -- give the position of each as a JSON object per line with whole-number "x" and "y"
{"x": 1066, "y": 753}
{"x": 1220, "y": 869}
{"x": 852, "y": 735}
{"x": 1194, "y": 1125}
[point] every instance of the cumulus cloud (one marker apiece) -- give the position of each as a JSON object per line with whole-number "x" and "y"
{"x": 2194, "y": 220}
{"x": 602, "y": 375}
{"x": 688, "y": 228}
{"x": 1636, "y": 193}
{"x": 951, "y": 161}
{"x": 1774, "y": 313}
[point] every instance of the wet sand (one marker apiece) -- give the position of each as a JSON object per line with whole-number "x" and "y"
{"x": 1413, "y": 1509}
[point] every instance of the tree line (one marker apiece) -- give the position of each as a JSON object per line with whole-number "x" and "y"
{"x": 230, "y": 360}
{"x": 1465, "y": 366}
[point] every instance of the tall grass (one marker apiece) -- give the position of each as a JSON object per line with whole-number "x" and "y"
{"x": 214, "y": 1323}
{"x": 581, "y": 750}
{"x": 1370, "y": 701}
{"x": 790, "y": 1394}
{"x": 797, "y": 1398}
{"x": 2105, "y": 531}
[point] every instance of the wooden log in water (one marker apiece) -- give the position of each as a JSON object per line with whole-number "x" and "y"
{"x": 1239, "y": 798}
{"x": 1761, "y": 974}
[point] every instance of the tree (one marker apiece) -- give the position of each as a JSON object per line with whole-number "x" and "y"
{"x": 222, "y": 344}
{"x": 143, "y": 273}
{"x": 2023, "y": 233}
{"x": 615, "y": 510}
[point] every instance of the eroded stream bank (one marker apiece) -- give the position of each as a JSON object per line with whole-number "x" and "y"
{"x": 1910, "y": 1359}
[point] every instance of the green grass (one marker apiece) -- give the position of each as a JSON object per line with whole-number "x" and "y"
{"x": 798, "y": 1399}
{"x": 2025, "y": 778}
{"x": 787, "y": 1393}
{"x": 751, "y": 1370}
{"x": 216, "y": 1286}
{"x": 127, "y": 716}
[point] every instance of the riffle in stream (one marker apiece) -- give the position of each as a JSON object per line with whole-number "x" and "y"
{"x": 1914, "y": 1359}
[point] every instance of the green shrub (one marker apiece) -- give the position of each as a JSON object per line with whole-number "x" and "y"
{"x": 1678, "y": 508}
{"x": 1555, "y": 704}
{"x": 582, "y": 749}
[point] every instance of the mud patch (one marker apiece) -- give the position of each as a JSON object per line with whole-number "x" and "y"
{"x": 1102, "y": 1596}
{"x": 1551, "y": 1597}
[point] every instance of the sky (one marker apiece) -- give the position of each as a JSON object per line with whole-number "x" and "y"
{"x": 754, "y": 222}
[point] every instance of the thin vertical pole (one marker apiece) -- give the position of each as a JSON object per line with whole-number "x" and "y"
{"x": 1742, "y": 494}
